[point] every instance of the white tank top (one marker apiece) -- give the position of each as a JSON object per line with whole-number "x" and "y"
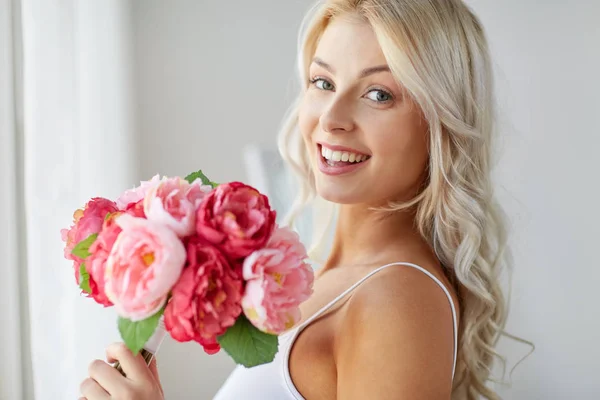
{"x": 273, "y": 381}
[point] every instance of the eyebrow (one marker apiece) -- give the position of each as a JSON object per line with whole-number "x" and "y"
{"x": 364, "y": 73}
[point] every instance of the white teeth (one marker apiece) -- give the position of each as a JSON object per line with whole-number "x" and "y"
{"x": 331, "y": 155}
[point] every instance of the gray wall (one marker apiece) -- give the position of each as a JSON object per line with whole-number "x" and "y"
{"x": 212, "y": 77}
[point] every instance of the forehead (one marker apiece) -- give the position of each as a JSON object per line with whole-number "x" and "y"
{"x": 349, "y": 44}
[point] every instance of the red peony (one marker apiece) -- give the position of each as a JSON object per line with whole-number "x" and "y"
{"x": 206, "y": 299}
{"x": 236, "y": 218}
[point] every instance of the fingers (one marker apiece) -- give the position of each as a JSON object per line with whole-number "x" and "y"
{"x": 91, "y": 390}
{"x": 106, "y": 376}
{"x": 134, "y": 366}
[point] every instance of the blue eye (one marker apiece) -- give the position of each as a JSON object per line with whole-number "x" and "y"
{"x": 322, "y": 84}
{"x": 381, "y": 96}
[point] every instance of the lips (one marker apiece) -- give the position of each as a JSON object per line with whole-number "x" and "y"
{"x": 337, "y": 160}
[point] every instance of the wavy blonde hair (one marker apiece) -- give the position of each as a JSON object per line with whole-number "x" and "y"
{"x": 439, "y": 52}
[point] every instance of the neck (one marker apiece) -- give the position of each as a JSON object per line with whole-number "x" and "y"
{"x": 365, "y": 237}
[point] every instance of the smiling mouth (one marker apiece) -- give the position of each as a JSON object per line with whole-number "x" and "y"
{"x": 336, "y": 158}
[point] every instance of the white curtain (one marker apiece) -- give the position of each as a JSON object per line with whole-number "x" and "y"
{"x": 11, "y": 365}
{"x": 74, "y": 139}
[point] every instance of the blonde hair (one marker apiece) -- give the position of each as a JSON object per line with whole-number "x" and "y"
{"x": 439, "y": 52}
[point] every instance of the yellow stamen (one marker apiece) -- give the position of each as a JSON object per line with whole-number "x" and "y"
{"x": 148, "y": 259}
{"x": 219, "y": 299}
{"x": 290, "y": 322}
{"x": 77, "y": 215}
{"x": 278, "y": 277}
{"x": 251, "y": 314}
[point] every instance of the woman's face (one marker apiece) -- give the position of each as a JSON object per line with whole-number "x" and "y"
{"x": 368, "y": 142}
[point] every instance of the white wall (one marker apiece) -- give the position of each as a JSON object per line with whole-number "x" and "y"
{"x": 214, "y": 76}
{"x": 548, "y": 57}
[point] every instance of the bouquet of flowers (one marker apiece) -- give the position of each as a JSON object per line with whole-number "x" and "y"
{"x": 200, "y": 261}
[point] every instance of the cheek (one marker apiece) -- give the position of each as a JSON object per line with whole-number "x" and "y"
{"x": 405, "y": 148}
{"x": 308, "y": 116}
{"x": 405, "y": 145}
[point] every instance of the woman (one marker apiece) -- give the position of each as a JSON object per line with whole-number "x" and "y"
{"x": 394, "y": 125}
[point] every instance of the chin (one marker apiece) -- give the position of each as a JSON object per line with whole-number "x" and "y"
{"x": 340, "y": 195}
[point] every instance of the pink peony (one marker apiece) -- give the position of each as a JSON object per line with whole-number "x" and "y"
{"x": 96, "y": 262}
{"x": 86, "y": 222}
{"x": 237, "y": 218}
{"x": 173, "y": 202}
{"x": 136, "y": 209}
{"x": 142, "y": 267}
{"x": 206, "y": 299}
{"x": 101, "y": 248}
{"x": 278, "y": 281}
{"x": 136, "y": 194}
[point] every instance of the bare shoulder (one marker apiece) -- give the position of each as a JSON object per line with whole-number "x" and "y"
{"x": 398, "y": 328}
{"x": 398, "y": 290}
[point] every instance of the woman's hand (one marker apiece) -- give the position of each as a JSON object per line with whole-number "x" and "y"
{"x": 105, "y": 382}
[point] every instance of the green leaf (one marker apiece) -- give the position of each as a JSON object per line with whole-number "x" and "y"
{"x": 136, "y": 334}
{"x": 247, "y": 345}
{"x": 82, "y": 248}
{"x": 84, "y": 279}
{"x": 199, "y": 174}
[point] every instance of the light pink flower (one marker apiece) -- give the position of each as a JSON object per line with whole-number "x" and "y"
{"x": 142, "y": 267}
{"x": 278, "y": 281}
{"x": 173, "y": 202}
{"x": 206, "y": 299}
{"x": 86, "y": 222}
{"x": 236, "y": 218}
{"x": 136, "y": 194}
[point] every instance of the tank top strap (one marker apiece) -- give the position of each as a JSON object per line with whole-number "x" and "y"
{"x": 328, "y": 306}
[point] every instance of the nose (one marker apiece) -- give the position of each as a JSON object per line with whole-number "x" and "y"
{"x": 337, "y": 118}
